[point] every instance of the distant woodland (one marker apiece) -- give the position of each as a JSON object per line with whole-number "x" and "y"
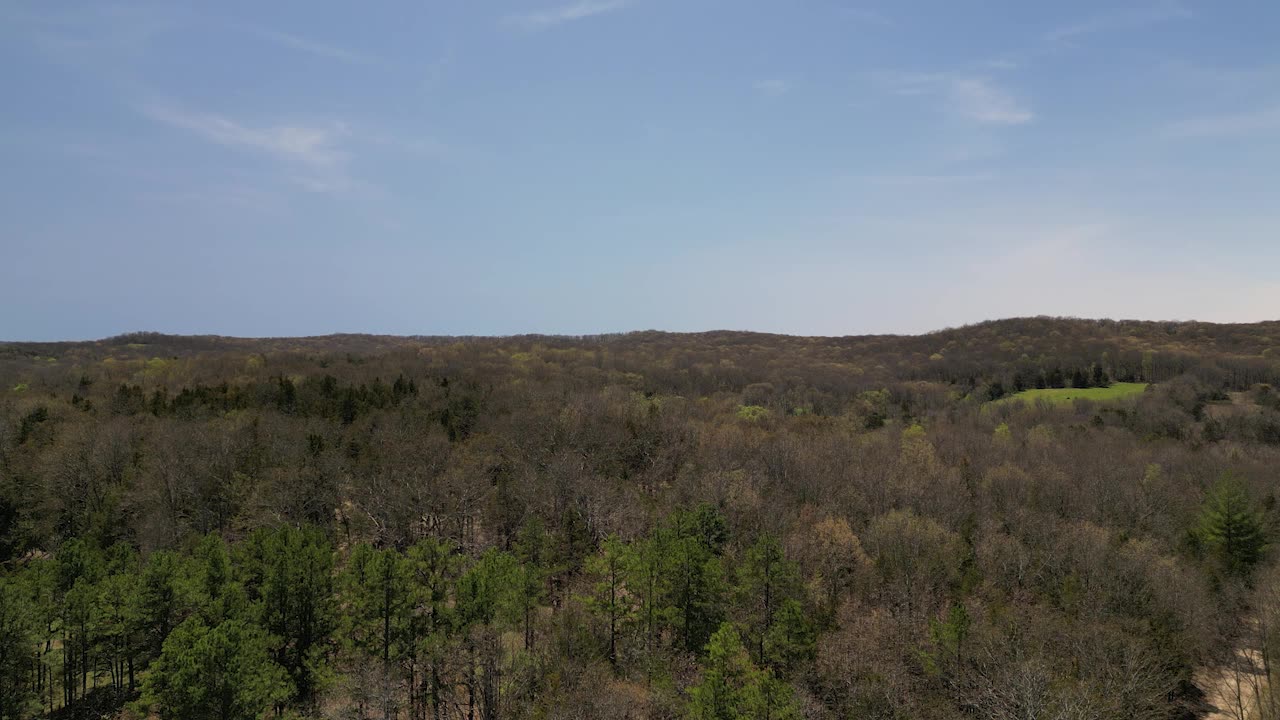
{"x": 645, "y": 525}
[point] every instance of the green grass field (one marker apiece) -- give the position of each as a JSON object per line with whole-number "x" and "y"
{"x": 1062, "y": 396}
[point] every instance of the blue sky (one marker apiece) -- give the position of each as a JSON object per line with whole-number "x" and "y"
{"x": 580, "y": 166}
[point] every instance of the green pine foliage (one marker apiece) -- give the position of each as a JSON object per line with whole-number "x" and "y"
{"x": 1231, "y": 527}
{"x": 224, "y": 672}
{"x": 733, "y": 687}
{"x": 766, "y": 582}
{"x": 17, "y": 696}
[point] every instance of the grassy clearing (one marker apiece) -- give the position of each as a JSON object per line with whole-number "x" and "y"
{"x": 1062, "y": 396}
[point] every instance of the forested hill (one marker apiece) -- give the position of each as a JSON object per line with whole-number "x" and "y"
{"x": 663, "y": 525}
{"x": 1237, "y": 354}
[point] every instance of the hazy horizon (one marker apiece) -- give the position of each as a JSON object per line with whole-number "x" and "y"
{"x": 585, "y": 166}
{"x": 622, "y": 332}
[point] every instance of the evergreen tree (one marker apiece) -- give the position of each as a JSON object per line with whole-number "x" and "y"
{"x": 722, "y": 692}
{"x": 376, "y": 598}
{"x": 647, "y": 577}
{"x": 766, "y": 580}
{"x": 1019, "y": 381}
{"x": 733, "y": 687}
{"x": 609, "y": 597}
{"x": 1231, "y": 528}
{"x": 487, "y": 594}
{"x": 79, "y": 625}
{"x": 1099, "y": 378}
{"x": 17, "y": 695}
{"x": 161, "y": 600}
{"x": 695, "y": 582}
{"x": 487, "y": 591}
{"x": 433, "y": 567}
{"x": 297, "y": 603}
{"x": 792, "y": 637}
{"x": 1079, "y": 379}
{"x": 119, "y": 626}
{"x": 212, "y": 578}
{"x": 531, "y": 550}
{"x": 219, "y": 673}
{"x": 1054, "y": 378}
{"x": 41, "y": 589}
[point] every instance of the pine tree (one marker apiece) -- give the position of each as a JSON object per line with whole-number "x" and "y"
{"x": 297, "y": 602}
{"x": 161, "y": 598}
{"x": 722, "y": 692}
{"x": 792, "y": 637}
{"x": 733, "y": 687}
{"x": 609, "y": 597}
{"x": 376, "y": 601}
{"x": 531, "y": 550}
{"x": 1099, "y": 378}
{"x": 16, "y": 693}
{"x": 211, "y": 577}
{"x": 375, "y": 598}
{"x": 118, "y": 604}
{"x": 646, "y": 576}
{"x": 433, "y": 568}
{"x": 1079, "y": 379}
{"x": 694, "y": 574}
{"x": 1231, "y": 528}
{"x": 695, "y": 587}
{"x": 766, "y": 580}
{"x": 79, "y": 627}
{"x": 219, "y": 673}
{"x": 487, "y": 596}
{"x": 41, "y": 589}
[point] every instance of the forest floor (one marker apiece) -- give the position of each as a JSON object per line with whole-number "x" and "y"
{"x": 1232, "y": 690}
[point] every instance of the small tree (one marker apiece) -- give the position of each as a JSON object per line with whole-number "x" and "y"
{"x": 531, "y": 576}
{"x": 733, "y": 687}
{"x": 949, "y": 635}
{"x": 695, "y": 574}
{"x": 609, "y": 597}
{"x": 766, "y": 579}
{"x": 792, "y": 637}
{"x": 1100, "y": 377}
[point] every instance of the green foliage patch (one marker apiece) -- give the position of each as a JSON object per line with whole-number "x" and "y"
{"x": 1063, "y": 396}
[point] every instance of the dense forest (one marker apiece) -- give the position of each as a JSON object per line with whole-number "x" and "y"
{"x": 644, "y": 525}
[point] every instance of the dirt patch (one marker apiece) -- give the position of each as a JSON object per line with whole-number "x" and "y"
{"x": 1234, "y": 690}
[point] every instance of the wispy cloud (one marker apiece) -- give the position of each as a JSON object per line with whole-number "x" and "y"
{"x": 974, "y": 97}
{"x": 772, "y": 87}
{"x": 1122, "y": 19}
{"x": 980, "y": 100}
{"x": 311, "y": 47}
{"x": 551, "y": 17}
{"x": 1266, "y": 120}
{"x": 311, "y": 152}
